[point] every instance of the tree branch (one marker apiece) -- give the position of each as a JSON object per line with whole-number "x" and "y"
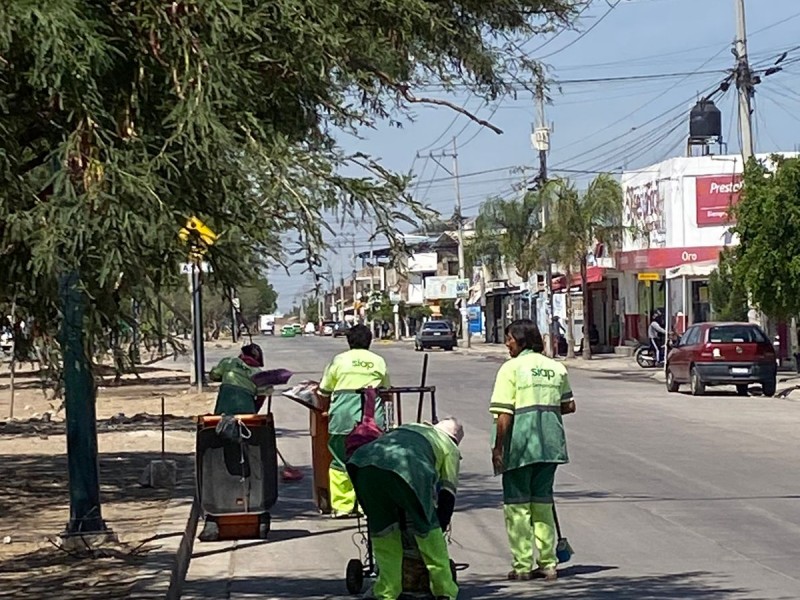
{"x": 404, "y": 90}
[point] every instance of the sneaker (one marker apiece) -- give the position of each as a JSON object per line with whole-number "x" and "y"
{"x": 546, "y": 573}
{"x": 210, "y": 532}
{"x": 519, "y": 575}
{"x": 354, "y": 514}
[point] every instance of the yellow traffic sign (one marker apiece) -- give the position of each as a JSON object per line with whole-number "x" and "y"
{"x": 199, "y": 230}
{"x": 649, "y": 276}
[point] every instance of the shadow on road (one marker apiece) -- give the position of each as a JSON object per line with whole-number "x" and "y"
{"x": 590, "y": 581}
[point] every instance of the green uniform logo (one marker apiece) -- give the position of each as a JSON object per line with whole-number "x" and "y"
{"x": 364, "y": 364}
{"x": 546, "y": 373}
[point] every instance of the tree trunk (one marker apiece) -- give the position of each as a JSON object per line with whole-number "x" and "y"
{"x": 587, "y": 314}
{"x": 570, "y": 318}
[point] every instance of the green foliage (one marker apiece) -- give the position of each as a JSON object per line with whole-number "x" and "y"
{"x": 383, "y": 310}
{"x": 507, "y": 231}
{"x": 768, "y": 225}
{"x": 727, "y": 292}
{"x": 578, "y": 222}
{"x": 120, "y": 120}
{"x": 450, "y": 311}
{"x": 418, "y": 313}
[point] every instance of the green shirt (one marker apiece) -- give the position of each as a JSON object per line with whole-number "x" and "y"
{"x": 234, "y": 371}
{"x": 532, "y": 387}
{"x": 423, "y": 456}
{"x": 348, "y": 372}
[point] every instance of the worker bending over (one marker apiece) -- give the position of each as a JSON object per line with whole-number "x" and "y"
{"x": 407, "y": 478}
{"x": 347, "y": 374}
{"x": 239, "y": 394}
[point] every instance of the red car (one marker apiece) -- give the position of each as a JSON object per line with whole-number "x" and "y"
{"x": 722, "y": 354}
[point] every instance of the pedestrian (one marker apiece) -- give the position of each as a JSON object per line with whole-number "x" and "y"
{"x": 558, "y": 336}
{"x": 239, "y": 394}
{"x": 654, "y": 333}
{"x": 339, "y": 391}
{"x": 407, "y": 480}
{"x": 531, "y": 393}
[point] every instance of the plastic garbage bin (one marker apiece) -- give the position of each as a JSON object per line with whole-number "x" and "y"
{"x": 237, "y": 483}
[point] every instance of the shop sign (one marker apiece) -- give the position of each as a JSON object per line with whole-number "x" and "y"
{"x": 715, "y": 196}
{"x": 649, "y": 277}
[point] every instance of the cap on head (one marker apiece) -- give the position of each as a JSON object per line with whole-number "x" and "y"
{"x": 451, "y": 427}
{"x": 254, "y": 351}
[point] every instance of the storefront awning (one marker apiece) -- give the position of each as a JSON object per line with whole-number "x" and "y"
{"x": 700, "y": 269}
{"x": 593, "y": 275}
{"x": 657, "y": 259}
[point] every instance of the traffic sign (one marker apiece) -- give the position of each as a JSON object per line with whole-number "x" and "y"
{"x": 186, "y": 268}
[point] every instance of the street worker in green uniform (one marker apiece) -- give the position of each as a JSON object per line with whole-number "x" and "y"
{"x": 407, "y": 478}
{"x": 531, "y": 393}
{"x": 238, "y": 394}
{"x": 349, "y": 372}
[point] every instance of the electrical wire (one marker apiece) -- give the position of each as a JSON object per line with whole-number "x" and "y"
{"x": 585, "y": 33}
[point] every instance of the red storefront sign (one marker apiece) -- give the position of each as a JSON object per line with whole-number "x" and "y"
{"x": 715, "y": 196}
{"x": 665, "y": 258}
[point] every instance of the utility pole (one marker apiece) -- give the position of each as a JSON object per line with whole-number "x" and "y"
{"x": 460, "y": 231}
{"x": 744, "y": 83}
{"x": 234, "y": 320}
{"x": 541, "y": 142}
{"x": 459, "y": 234}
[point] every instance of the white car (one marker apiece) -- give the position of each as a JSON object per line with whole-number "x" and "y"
{"x": 310, "y": 329}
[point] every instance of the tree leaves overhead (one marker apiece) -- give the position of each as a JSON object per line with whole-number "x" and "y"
{"x": 120, "y": 119}
{"x": 768, "y": 224}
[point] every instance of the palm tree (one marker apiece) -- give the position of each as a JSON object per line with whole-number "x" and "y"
{"x": 507, "y": 232}
{"x": 578, "y": 223}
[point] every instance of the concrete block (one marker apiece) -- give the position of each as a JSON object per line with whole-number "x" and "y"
{"x": 160, "y": 474}
{"x": 624, "y": 350}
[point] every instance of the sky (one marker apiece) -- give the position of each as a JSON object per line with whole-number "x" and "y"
{"x": 677, "y": 49}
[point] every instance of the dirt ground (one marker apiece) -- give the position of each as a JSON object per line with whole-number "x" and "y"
{"x": 34, "y": 500}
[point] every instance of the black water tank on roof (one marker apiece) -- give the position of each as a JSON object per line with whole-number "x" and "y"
{"x": 705, "y": 120}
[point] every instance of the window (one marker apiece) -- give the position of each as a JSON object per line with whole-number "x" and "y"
{"x": 436, "y": 326}
{"x": 736, "y": 334}
{"x": 452, "y": 269}
{"x": 691, "y": 337}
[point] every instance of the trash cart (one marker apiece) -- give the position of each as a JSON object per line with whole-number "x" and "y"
{"x": 237, "y": 482}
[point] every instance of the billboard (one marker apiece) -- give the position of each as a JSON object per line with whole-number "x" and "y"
{"x": 715, "y": 195}
{"x": 446, "y": 288}
{"x": 422, "y": 262}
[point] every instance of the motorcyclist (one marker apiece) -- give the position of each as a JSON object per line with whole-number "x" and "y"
{"x": 654, "y": 333}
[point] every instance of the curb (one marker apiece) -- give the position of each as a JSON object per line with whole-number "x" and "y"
{"x": 184, "y": 554}
{"x": 175, "y": 534}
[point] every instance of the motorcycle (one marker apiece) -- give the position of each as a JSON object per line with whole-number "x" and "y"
{"x": 646, "y": 357}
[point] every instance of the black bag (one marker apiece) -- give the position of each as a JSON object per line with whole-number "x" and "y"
{"x": 229, "y": 429}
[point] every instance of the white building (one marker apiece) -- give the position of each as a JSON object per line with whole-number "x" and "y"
{"x": 681, "y": 207}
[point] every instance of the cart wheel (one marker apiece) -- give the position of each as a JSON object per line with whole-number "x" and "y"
{"x": 264, "y": 524}
{"x": 354, "y": 577}
{"x": 453, "y": 570}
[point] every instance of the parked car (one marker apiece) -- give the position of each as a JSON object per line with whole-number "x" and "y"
{"x": 310, "y": 329}
{"x": 435, "y": 334}
{"x": 711, "y": 354}
{"x": 327, "y": 327}
{"x": 298, "y": 328}
{"x": 288, "y": 331}
{"x": 340, "y": 328}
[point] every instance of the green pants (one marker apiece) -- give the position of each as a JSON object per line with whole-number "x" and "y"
{"x": 390, "y": 503}
{"x": 528, "y": 509}
{"x": 343, "y": 498}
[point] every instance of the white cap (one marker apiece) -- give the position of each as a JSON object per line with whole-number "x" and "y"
{"x": 451, "y": 427}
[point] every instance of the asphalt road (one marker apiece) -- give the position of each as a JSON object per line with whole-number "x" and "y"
{"x": 667, "y": 496}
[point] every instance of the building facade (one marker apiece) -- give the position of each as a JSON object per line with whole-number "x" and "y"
{"x": 679, "y": 213}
